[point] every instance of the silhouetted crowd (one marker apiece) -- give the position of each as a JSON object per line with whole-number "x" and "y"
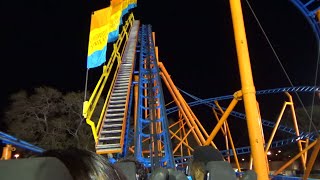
{"x": 78, "y": 164}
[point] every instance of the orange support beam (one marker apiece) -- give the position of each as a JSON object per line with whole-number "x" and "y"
{"x": 228, "y": 135}
{"x": 7, "y": 152}
{"x": 182, "y": 106}
{"x": 295, "y": 158}
{"x": 224, "y": 117}
{"x": 276, "y": 127}
{"x": 136, "y": 96}
{"x": 260, "y": 162}
{"x": 294, "y": 118}
{"x": 313, "y": 158}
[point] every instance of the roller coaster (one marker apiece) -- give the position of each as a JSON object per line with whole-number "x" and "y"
{"x": 135, "y": 120}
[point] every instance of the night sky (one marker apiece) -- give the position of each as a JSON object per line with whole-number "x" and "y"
{"x": 45, "y": 43}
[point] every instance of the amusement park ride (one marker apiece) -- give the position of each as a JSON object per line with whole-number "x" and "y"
{"x": 134, "y": 118}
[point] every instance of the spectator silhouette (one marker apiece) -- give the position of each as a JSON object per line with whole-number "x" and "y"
{"x": 86, "y": 165}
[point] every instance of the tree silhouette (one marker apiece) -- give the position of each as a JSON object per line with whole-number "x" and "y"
{"x": 304, "y": 116}
{"x": 49, "y": 119}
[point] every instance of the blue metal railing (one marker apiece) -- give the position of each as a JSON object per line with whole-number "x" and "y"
{"x": 8, "y": 139}
{"x": 309, "y": 10}
{"x": 151, "y": 108}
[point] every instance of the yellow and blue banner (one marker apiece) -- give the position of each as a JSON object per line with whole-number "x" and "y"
{"x": 98, "y": 38}
{"x": 132, "y": 4}
{"x": 119, "y": 9}
{"x": 115, "y": 20}
{"x": 104, "y": 29}
{"x": 126, "y": 6}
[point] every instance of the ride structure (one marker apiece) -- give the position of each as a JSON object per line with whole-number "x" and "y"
{"x": 136, "y": 89}
{"x": 134, "y": 118}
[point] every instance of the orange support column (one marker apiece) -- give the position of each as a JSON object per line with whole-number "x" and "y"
{"x": 276, "y": 127}
{"x": 7, "y": 152}
{"x": 184, "y": 131}
{"x": 295, "y": 123}
{"x": 312, "y": 160}
{"x": 228, "y": 133}
{"x": 283, "y": 167}
{"x": 136, "y": 96}
{"x": 318, "y": 15}
{"x": 181, "y": 103}
{"x": 260, "y": 162}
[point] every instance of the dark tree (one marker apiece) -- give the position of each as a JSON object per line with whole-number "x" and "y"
{"x": 308, "y": 118}
{"x": 49, "y": 119}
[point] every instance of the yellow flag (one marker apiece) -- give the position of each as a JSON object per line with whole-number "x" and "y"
{"x": 98, "y": 38}
{"x": 116, "y": 14}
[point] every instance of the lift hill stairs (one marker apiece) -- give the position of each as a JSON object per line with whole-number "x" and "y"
{"x": 112, "y": 130}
